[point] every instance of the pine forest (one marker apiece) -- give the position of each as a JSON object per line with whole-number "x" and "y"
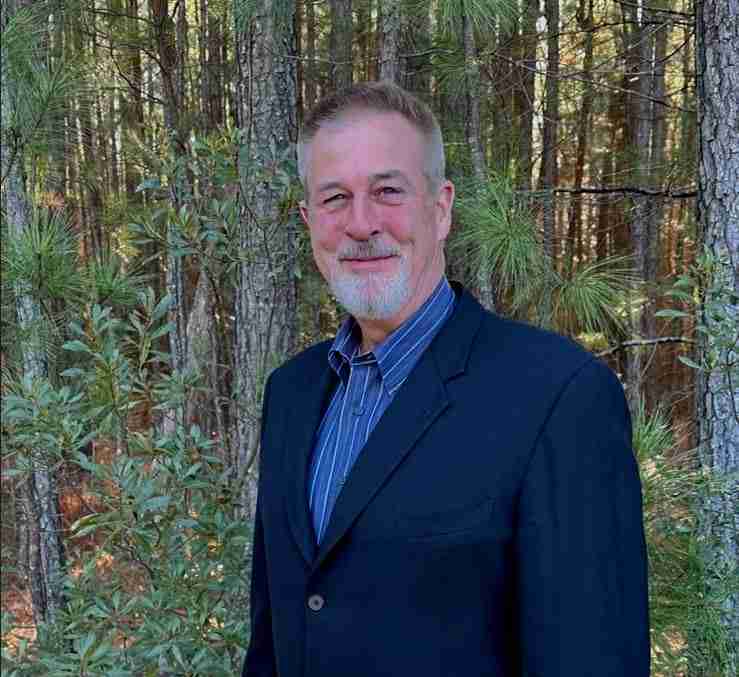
{"x": 155, "y": 270}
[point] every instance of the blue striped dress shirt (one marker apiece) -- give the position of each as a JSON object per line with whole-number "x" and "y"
{"x": 367, "y": 385}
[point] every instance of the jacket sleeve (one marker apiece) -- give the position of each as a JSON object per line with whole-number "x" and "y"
{"x": 580, "y": 547}
{"x": 260, "y": 655}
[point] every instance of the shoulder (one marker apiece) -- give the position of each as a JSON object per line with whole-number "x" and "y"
{"x": 513, "y": 340}
{"x": 531, "y": 359}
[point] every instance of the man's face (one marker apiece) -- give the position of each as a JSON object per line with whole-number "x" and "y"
{"x": 376, "y": 228}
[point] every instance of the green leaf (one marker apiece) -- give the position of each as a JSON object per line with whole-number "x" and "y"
{"x": 76, "y": 347}
{"x": 689, "y": 362}
{"x": 671, "y": 312}
{"x": 161, "y": 309}
{"x": 156, "y": 503}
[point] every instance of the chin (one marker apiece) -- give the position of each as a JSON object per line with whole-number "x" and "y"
{"x": 378, "y": 296}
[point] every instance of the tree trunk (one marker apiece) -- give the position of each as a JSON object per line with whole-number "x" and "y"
{"x": 340, "y": 43}
{"x": 526, "y": 93}
{"x": 57, "y": 176}
{"x": 132, "y": 103}
{"x": 548, "y": 172}
{"x": 585, "y": 24}
{"x": 46, "y": 554}
{"x": 472, "y": 99}
{"x": 311, "y": 72}
{"x": 169, "y": 37}
{"x": 265, "y": 296}
{"x": 390, "y": 39}
{"x": 88, "y": 175}
{"x": 417, "y": 48}
{"x": 206, "y": 115}
{"x": 637, "y": 82}
{"x": 473, "y": 133}
{"x": 717, "y": 71}
{"x": 657, "y": 173}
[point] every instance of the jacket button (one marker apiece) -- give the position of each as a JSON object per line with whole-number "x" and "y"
{"x": 316, "y": 602}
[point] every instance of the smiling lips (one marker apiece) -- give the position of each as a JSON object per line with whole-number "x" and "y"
{"x": 373, "y": 263}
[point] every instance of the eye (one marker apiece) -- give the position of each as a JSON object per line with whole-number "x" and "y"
{"x": 390, "y": 193}
{"x": 334, "y": 198}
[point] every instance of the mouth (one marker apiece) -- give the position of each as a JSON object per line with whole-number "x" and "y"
{"x": 368, "y": 263}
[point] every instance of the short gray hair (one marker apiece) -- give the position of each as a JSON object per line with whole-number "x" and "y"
{"x": 378, "y": 97}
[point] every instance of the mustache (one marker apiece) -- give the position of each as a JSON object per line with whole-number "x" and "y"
{"x": 368, "y": 250}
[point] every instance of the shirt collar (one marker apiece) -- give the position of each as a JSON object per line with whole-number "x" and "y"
{"x": 395, "y": 355}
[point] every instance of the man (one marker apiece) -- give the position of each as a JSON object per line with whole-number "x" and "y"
{"x": 443, "y": 492}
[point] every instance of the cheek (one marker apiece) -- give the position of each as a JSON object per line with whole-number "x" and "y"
{"x": 324, "y": 246}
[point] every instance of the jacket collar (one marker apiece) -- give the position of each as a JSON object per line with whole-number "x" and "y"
{"x": 416, "y": 406}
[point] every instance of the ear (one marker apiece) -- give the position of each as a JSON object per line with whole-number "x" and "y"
{"x": 443, "y": 207}
{"x": 303, "y": 207}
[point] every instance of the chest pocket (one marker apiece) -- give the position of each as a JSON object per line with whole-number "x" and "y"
{"x": 454, "y": 520}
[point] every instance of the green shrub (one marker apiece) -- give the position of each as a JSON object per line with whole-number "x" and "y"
{"x": 160, "y": 584}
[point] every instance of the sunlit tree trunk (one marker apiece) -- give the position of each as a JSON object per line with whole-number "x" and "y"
{"x": 548, "y": 172}
{"x": 585, "y": 23}
{"x": 39, "y": 490}
{"x": 526, "y": 94}
{"x": 717, "y": 71}
{"x": 265, "y": 296}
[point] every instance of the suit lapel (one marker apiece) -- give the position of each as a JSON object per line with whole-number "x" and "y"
{"x": 420, "y": 400}
{"x": 301, "y": 428}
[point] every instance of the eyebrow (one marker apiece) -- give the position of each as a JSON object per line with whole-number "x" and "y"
{"x": 390, "y": 174}
{"x": 328, "y": 185}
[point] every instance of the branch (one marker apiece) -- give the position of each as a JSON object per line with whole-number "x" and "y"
{"x": 575, "y": 78}
{"x": 629, "y": 190}
{"x": 656, "y": 10}
{"x": 645, "y": 342}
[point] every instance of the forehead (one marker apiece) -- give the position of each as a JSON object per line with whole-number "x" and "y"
{"x": 376, "y": 141}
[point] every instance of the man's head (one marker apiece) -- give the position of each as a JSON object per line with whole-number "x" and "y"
{"x": 377, "y": 204}
{"x": 378, "y": 97}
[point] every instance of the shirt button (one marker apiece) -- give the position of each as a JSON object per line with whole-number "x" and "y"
{"x": 358, "y": 409}
{"x": 316, "y": 602}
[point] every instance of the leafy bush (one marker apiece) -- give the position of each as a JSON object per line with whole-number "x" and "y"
{"x": 160, "y": 585}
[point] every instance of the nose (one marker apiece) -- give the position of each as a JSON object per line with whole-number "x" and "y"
{"x": 362, "y": 219}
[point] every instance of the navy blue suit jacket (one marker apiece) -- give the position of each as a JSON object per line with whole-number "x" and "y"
{"x": 491, "y": 526}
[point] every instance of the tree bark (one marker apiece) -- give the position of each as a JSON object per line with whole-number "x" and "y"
{"x": 171, "y": 50}
{"x": 526, "y": 93}
{"x": 717, "y": 71}
{"x": 473, "y": 133}
{"x": 390, "y": 40}
{"x": 416, "y": 45}
{"x": 265, "y": 294}
{"x": 311, "y": 72}
{"x": 548, "y": 171}
{"x": 585, "y": 24}
{"x": 340, "y": 43}
{"x": 637, "y": 82}
{"x": 46, "y": 553}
